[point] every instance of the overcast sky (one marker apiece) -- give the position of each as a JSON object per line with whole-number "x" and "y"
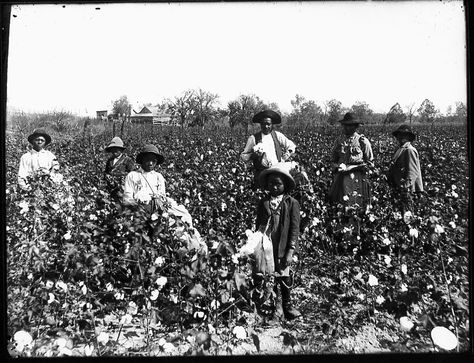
{"x": 80, "y": 58}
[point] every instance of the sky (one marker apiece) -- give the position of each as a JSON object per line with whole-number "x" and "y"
{"x": 80, "y": 58}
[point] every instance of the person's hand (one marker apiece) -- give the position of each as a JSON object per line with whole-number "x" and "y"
{"x": 287, "y": 260}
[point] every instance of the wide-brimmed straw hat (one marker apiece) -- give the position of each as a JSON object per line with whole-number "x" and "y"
{"x": 404, "y": 130}
{"x": 351, "y": 119}
{"x": 275, "y": 117}
{"x": 289, "y": 181}
{"x": 150, "y": 149}
{"x": 39, "y": 132}
{"x": 116, "y": 142}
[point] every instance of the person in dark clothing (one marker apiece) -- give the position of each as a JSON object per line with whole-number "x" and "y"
{"x": 117, "y": 167}
{"x": 278, "y": 215}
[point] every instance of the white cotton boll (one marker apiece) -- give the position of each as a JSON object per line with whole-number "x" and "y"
{"x": 103, "y": 338}
{"x": 161, "y": 281}
{"x": 413, "y": 232}
{"x": 404, "y": 268}
{"x": 406, "y": 324}
{"x": 372, "y": 281}
{"x": 380, "y": 300}
{"x": 444, "y": 338}
{"x": 154, "y": 295}
{"x": 239, "y": 332}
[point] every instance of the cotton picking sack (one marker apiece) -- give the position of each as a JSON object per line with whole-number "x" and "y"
{"x": 263, "y": 254}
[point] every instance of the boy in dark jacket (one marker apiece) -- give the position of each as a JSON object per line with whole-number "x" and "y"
{"x": 117, "y": 167}
{"x": 278, "y": 215}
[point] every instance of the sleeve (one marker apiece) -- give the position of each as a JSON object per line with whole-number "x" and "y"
{"x": 367, "y": 151}
{"x": 54, "y": 162}
{"x": 161, "y": 185}
{"x": 247, "y": 153}
{"x": 288, "y": 146}
{"x": 130, "y": 165}
{"x": 23, "y": 171}
{"x": 260, "y": 215}
{"x": 412, "y": 170}
{"x": 128, "y": 190}
{"x": 107, "y": 167}
{"x": 335, "y": 156}
{"x": 294, "y": 231}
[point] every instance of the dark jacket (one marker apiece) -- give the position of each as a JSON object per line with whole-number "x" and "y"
{"x": 289, "y": 226}
{"x": 122, "y": 167}
{"x": 405, "y": 171}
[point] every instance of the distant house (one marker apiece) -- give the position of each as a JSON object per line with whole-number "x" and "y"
{"x": 151, "y": 114}
{"x": 102, "y": 115}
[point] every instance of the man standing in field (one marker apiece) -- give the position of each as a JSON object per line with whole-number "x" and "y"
{"x": 404, "y": 174}
{"x": 267, "y": 147}
{"x": 37, "y": 161}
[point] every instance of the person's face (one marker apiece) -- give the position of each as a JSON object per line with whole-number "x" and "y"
{"x": 39, "y": 143}
{"x": 401, "y": 139}
{"x": 115, "y": 151}
{"x": 349, "y": 129}
{"x": 276, "y": 185}
{"x": 266, "y": 125}
{"x": 148, "y": 162}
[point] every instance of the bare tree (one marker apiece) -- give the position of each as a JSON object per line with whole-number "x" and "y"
{"x": 410, "y": 111}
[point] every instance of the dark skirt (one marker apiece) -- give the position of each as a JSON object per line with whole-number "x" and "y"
{"x": 354, "y": 185}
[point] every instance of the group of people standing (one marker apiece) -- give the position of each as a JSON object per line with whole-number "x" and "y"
{"x": 270, "y": 153}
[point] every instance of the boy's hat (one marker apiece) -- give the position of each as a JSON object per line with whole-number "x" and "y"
{"x": 350, "y": 119}
{"x": 39, "y": 132}
{"x": 275, "y": 117}
{"x": 404, "y": 130}
{"x": 116, "y": 142}
{"x": 262, "y": 178}
{"x": 150, "y": 149}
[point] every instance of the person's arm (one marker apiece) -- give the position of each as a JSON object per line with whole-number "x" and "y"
{"x": 248, "y": 151}
{"x": 412, "y": 170}
{"x": 54, "y": 162}
{"x": 367, "y": 153}
{"x": 293, "y": 232}
{"x": 161, "y": 185}
{"x": 23, "y": 171}
{"x": 335, "y": 157}
{"x": 129, "y": 190}
{"x": 262, "y": 217}
{"x": 129, "y": 165}
{"x": 288, "y": 147}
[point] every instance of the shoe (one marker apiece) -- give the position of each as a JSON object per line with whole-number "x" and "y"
{"x": 291, "y": 313}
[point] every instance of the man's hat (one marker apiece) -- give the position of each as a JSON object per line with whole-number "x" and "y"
{"x": 116, "y": 142}
{"x": 275, "y": 117}
{"x": 350, "y": 119}
{"x": 404, "y": 130}
{"x": 39, "y": 132}
{"x": 262, "y": 178}
{"x": 150, "y": 149}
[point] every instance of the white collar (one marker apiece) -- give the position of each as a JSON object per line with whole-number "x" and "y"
{"x": 33, "y": 151}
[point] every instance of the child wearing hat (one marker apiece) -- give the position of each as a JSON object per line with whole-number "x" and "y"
{"x": 37, "y": 161}
{"x": 145, "y": 184}
{"x": 404, "y": 174}
{"x": 278, "y": 215}
{"x": 117, "y": 167}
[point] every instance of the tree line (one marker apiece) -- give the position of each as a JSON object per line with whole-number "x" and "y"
{"x": 199, "y": 108}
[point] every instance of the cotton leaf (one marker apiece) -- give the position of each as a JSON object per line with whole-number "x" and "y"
{"x": 197, "y": 290}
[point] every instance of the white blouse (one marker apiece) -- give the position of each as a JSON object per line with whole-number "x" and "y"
{"x": 34, "y": 162}
{"x": 143, "y": 186}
